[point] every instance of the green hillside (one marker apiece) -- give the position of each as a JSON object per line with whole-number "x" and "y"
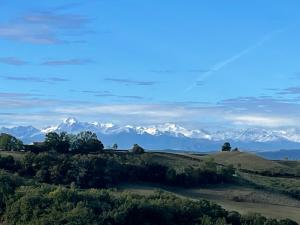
{"x": 251, "y": 162}
{"x": 244, "y": 199}
{"x": 237, "y": 181}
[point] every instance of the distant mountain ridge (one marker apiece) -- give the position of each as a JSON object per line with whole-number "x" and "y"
{"x": 168, "y": 136}
{"x": 282, "y": 154}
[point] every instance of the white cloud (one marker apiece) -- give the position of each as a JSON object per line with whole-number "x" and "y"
{"x": 44, "y": 28}
{"x": 262, "y": 121}
{"x": 147, "y": 111}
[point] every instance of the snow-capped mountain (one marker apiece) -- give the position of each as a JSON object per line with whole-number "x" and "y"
{"x": 25, "y": 133}
{"x": 174, "y": 130}
{"x": 168, "y": 136}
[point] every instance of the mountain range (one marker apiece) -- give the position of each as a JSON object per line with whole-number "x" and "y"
{"x": 168, "y": 136}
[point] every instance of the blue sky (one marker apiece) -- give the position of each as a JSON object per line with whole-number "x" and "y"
{"x": 197, "y": 63}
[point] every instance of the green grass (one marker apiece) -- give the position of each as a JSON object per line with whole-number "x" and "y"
{"x": 16, "y": 155}
{"x": 175, "y": 161}
{"x": 279, "y": 184}
{"x": 250, "y": 162}
{"x": 270, "y": 199}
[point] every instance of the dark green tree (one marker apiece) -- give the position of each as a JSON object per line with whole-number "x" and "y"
{"x": 234, "y": 218}
{"x": 235, "y": 149}
{"x": 10, "y": 143}
{"x": 58, "y": 142}
{"x": 85, "y": 142}
{"x": 115, "y": 147}
{"x": 226, "y": 147}
{"x": 136, "y": 149}
{"x": 287, "y": 222}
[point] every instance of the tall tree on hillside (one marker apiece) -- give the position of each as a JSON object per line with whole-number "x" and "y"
{"x": 226, "y": 147}
{"x": 86, "y": 141}
{"x": 137, "y": 149}
{"x": 10, "y": 143}
{"x": 115, "y": 147}
{"x": 58, "y": 142}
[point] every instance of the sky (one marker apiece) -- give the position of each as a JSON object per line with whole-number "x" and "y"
{"x": 202, "y": 64}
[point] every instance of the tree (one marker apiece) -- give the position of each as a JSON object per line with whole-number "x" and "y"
{"x": 85, "y": 142}
{"x": 226, "y": 147}
{"x": 234, "y": 218}
{"x": 136, "y": 149}
{"x": 115, "y": 147}
{"x": 235, "y": 149}
{"x": 10, "y": 143}
{"x": 287, "y": 222}
{"x": 58, "y": 142}
{"x": 298, "y": 170}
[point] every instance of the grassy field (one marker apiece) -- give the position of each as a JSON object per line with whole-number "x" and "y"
{"x": 249, "y": 161}
{"x": 281, "y": 184}
{"x": 242, "y": 199}
{"x": 270, "y": 200}
{"x": 176, "y": 161}
{"x": 16, "y": 155}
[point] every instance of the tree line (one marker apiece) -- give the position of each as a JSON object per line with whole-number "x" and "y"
{"x": 83, "y": 142}
{"x": 110, "y": 169}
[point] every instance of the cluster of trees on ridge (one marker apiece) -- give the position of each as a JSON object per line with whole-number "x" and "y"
{"x": 109, "y": 169}
{"x": 24, "y": 202}
{"x": 83, "y": 142}
{"x": 51, "y": 162}
{"x": 226, "y": 147}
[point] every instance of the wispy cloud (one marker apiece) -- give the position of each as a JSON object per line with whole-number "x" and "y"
{"x": 198, "y": 71}
{"x": 12, "y": 61}
{"x": 120, "y": 96}
{"x": 289, "y": 91}
{"x": 220, "y": 65}
{"x": 131, "y": 82}
{"x": 63, "y": 21}
{"x": 163, "y": 71}
{"x": 15, "y": 95}
{"x": 44, "y": 28}
{"x": 29, "y": 102}
{"x": 261, "y": 121}
{"x": 109, "y": 94}
{"x": 151, "y": 111}
{"x": 264, "y": 111}
{"x": 35, "y": 79}
{"x": 68, "y": 6}
{"x": 263, "y": 105}
{"x": 67, "y": 62}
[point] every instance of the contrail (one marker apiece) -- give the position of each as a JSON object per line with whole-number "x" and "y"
{"x": 232, "y": 59}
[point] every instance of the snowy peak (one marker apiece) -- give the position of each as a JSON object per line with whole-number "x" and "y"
{"x": 167, "y": 135}
{"x": 27, "y": 134}
{"x": 259, "y": 135}
{"x": 72, "y": 125}
{"x": 49, "y": 129}
{"x": 19, "y": 131}
{"x": 173, "y": 129}
{"x": 70, "y": 121}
